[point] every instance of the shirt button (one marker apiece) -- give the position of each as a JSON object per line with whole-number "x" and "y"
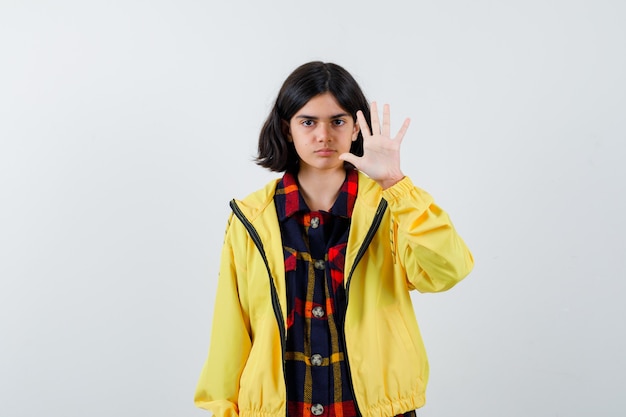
{"x": 320, "y": 264}
{"x": 315, "y": 222}
{"x": 318, "y": 312}
{"x": 317, "y": 409}
{"x": 316, "y": 360}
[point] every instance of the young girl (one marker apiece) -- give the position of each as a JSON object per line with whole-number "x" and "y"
{"x": 313, "y": 315}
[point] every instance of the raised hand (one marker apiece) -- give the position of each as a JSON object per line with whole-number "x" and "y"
{"x": 381, "y": 153}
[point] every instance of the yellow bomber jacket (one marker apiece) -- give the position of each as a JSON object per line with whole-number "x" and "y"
{"x": 399, "y": 240}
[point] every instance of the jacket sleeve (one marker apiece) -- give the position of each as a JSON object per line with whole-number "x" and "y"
{"x": 424, "y": 240}
{"x": 218, "y": 387}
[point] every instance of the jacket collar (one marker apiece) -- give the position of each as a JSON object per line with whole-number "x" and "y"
{"x": 369, "y": 195}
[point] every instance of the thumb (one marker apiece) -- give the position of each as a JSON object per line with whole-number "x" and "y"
{"x": 351, "y": 158}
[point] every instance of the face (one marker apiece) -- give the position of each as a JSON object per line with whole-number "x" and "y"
{"x": 321, "y": 131}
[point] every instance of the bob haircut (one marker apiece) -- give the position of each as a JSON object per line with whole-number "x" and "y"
{"x": 276, "y": 152}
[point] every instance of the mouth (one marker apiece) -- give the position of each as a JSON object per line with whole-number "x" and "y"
{"x": 325, "y": 151}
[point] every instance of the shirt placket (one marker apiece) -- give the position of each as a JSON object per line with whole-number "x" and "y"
{"x": 319, "y": 348}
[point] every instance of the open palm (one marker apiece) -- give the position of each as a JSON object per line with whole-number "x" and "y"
{"x": 381, "y": 153}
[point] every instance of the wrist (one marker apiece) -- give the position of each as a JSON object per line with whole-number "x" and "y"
{"x": 391, "y": 181}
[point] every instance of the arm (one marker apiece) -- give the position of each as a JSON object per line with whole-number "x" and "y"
{"x": 424, "y": 240}
{"x": 218, "y": 387}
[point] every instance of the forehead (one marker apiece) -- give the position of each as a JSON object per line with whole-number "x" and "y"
{"x": 322, "y": 105}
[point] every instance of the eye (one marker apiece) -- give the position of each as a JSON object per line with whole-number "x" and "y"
{"x": 339, "y": 122}
{"x": 307, "y": 122}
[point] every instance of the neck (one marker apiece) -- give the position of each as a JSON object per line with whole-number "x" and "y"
{"x": 320, "y": 189}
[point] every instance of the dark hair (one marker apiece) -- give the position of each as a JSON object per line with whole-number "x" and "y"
{"x": 307, "y": 81}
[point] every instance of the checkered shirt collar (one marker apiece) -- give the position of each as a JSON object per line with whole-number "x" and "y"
{"x": 289, "y": 200}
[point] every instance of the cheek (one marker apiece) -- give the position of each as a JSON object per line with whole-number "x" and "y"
{"x": 299, "y": 144}
{"x": 301, "y": 137}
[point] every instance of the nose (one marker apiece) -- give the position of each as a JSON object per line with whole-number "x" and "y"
{"x": 323, "y": 132}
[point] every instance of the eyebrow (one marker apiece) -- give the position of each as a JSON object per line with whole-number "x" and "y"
{"x": 336, "y": 116}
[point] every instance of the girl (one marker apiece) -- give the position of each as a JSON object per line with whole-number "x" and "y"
{"x": 313, "y": 315}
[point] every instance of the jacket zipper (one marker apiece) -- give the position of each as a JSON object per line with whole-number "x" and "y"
{"x": 254, "y": 235}
{"x": 378, "y": 217}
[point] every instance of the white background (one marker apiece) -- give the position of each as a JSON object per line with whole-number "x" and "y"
{"x": 127, "y": 126}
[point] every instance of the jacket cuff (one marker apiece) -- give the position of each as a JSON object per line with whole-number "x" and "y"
{"x": 405, "y": 189}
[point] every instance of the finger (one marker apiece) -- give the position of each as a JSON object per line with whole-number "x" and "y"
{"x": 386, "y": 121}
{"x": 375, "y": 120}
{"x": 365, "y": 129}
{"x": 351, "y": 158}
{"x": 402, "y": 131}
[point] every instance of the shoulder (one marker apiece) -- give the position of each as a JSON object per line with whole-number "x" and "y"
{"x": 256, "y": 202}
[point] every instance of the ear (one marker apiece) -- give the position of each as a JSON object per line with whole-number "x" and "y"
{"x": 286, "y": 130}
{"x": 355, "y": 131}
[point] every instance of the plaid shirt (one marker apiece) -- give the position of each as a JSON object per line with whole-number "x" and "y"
{"x": 314, "y": 245}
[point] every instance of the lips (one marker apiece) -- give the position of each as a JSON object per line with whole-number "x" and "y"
{"x": 325, "y": 151}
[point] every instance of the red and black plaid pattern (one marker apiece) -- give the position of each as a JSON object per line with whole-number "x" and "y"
{"x": 314, "y": 245}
